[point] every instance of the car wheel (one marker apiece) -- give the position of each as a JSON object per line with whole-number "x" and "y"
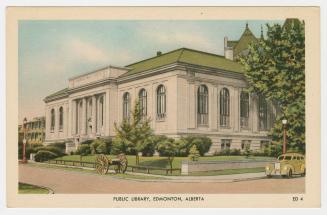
{"x": 290, "y": 174}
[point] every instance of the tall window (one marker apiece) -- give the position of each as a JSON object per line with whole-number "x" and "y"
{"x": 244, "y": 112}
{"x": 61, "y": 118}
{"x": 161, "y": 102}
{"x": 224, "y": 107}
{"x": 126, "y": 106}
{"x": 262, "y": 113}
{"x": 245, "y": 144}
{"x": 264, "y": 144}
{"x": 203, "y": 105}
{"x": 225, "y": 144}
{"x": 143, "y": 102}
{"x": 53, "y": 118}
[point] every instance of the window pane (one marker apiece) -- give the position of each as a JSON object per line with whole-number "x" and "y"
{"x": 224, "y": 107}
{"x": 161, "y": 102}
{"x": 262, "y": 113}
{"x": 202, "y": 105}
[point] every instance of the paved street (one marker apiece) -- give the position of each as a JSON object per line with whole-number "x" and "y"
{"x": 65, "y": 181}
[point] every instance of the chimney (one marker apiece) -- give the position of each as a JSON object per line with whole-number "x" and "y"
{"x": 225, "y": 42}
{"x": 159, "y": 53}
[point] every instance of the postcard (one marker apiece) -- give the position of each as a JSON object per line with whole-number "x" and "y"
{"x": 163, "y": 107}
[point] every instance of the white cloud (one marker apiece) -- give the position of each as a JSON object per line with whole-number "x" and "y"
{"x": 187, "y": 39}
{"x": 86, "y": 51}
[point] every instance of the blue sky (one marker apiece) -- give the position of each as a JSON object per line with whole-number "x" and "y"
{"x": 50, "y": 52}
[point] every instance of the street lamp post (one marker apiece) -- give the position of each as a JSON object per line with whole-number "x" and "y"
{"x": 284, "y": 121}
{"x": 24, "y": 140}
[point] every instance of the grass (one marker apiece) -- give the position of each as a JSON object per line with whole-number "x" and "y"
{"x": 228, "y": 171}
{"x": 31, "y": 189}
{"x": 76, "y": 169}
{"x": 162, "y": 162}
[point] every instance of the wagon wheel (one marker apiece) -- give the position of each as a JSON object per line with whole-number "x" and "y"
{"x": 123, "y": 162}
{"x": 102, "y": 164}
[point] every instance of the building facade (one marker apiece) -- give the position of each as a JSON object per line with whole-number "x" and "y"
{"x": 184, "y": 92}
{"x": 35, "y": 131}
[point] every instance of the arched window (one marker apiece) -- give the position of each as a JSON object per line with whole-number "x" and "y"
{"x": 53, "y": 118}
{"x": 61, "y": 118}
{"x": 224, "y": 107}
{"x": 244, "y": 110}
{"x": 143, "y": 102}
{"x": 126, "y": 106}
{"x": 202, "y": 105}
{"x": 263, "y": 113}
{"x": 161, "y": 102}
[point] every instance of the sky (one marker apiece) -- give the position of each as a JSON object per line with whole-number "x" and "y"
{"x": 51, "y": 52}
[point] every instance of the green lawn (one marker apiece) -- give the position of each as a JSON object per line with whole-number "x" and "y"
{"x": 162, "y": 162}
{"x": 31, "y": 189}
{"x": 124, "y": 176}
{"x": 229, "y": 171}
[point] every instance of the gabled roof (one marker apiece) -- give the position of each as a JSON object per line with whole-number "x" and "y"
{"x": 185, "y": 55}
{"x": 232, "y": 43}
{"x": 246, "y": 38}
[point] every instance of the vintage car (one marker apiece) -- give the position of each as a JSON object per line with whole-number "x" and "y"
{"x": 287, "y": 165}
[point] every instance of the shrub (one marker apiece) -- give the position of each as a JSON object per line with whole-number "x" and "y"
{"x": 83, "y": 150}
{"x": 247, "y": 151}
{"x": 44, "y": 155}
{"x": 50, "y": 148}
{"x": 235, "y": 152}
{"x": 118, "y": 146}
{"x": 203, "y": 144}
{"x": 224, "y": 152}
{"x": 182, "y": 148}
{"x": 94, "y": 145}
{"x": 87, "y": 142}
{"x": 161, "y": 141}
{"x": 150, "y": 146}
{"x": 194, "y": 153}
{"x": 30, "y": 148}
{"x": 61, "y": 146}
{"x": 275, "y": 150}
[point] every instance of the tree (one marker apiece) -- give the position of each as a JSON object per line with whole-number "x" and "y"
{"x": 247, "y": 151}
{"x": 274, "y": 68}
{"x": 194, "y": 153}
{"x": 133, "y": 135}
{"x": 167, "y": 147}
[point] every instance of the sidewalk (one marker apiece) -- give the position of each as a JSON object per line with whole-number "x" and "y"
{"x": 216, "y": 178}
{"x": 185, "y": 178}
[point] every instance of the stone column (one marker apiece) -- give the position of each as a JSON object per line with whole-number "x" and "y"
{"x": 213, "y": 111}
{"x": 236, "y": 112}
{"x": 70, "y": 118}
{"x": 57, "y": 115}
{"x": 192, "y": 105}
{"x": 83, "y": 117}
{"x": 94, "y": 115}
{"x": 107, "y": 114}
